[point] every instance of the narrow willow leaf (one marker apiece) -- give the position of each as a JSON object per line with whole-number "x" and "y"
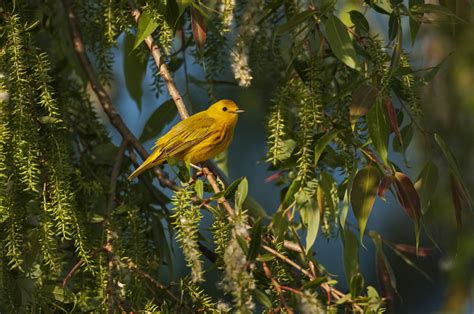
{"x": 243, "y": 244}
{"x": 340, "y": 42}
{"x": 384, "y": 185}
{"x": 198, "y": 25}
{"x": 311, "y": 217}
{"x": 397, "y": 49}
{"x": 134, "y": 69}
{"x": 408, "y": 196}
{"x": 262, "y": 298}
{"x": 364, "y": 190}
{"x": 410, "y": 262}
{"x": 393, "y": 26}
{"x": 382, "y": 6}
{"x": 357, "y": 285}
{"x": 351, "y": 255}
{"x": 182, "y": 5}
{"x": 378, "y": 129}
{"x": 254, "y": 208}
{"x": 241, "y": 193}
{"x": 392, "y": 119}
{"x": 406, "y": 134}
{"x": 256, "y": 238}
{"x": 146, "y": 26}
{"x": 295, "y": 21}
{"x": 162, "y": 116}
{"x": 346, "y": 200}
{"x": 414, "y": 23}
{"x": 314, "y": 283}
{"x": 363, "y": 98}
{"x": 453, "y": 166}
{"x": 232, "y": 187}
{"x": 426, "y": 184}
{"x": 385, "y": 272}
{"x": 321, "y": 144}
{"x": 435, "y": 9}
{"x": 359, "y": 20}
{"x": 199, "y": 188}
{"x": 410, "y": 249}
{"x": 457, "y": 202}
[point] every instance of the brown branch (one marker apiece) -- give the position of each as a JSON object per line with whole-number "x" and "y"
{"x": 108, "y": 229}
{"x": 104, "y": 99}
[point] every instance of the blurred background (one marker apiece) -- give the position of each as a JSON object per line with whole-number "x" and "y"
{"x": 448, "y": 103}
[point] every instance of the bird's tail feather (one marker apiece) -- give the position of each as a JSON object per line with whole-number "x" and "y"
{"x": 152, "y": 161}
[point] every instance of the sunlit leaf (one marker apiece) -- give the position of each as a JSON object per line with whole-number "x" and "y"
{"x": 340, "y": 42}
{"x": 378, "y": 129}
{"x": 146, "y": 26}
{"x": 364, "y": 190}
{"x": 232, "y": 187}
{"x": 162, "y": 116}
{"x": 134, "y": 69}
{"x": 311, "y": 217}
{"x": 241, "y": 193}
{"x": 199, "y": 188}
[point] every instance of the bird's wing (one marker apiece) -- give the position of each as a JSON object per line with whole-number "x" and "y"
{"x": 184, "y": 135}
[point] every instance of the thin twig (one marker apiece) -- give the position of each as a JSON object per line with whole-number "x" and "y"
{"x": 108, "y": 229}
{"x": 288, "y": 261}
{"x": 104, "y": 99}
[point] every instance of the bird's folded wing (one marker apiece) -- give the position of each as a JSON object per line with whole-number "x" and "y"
{"x": 184, "y": 135}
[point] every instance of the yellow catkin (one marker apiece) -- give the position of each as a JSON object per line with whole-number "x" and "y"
{"x": 197, "y": 138}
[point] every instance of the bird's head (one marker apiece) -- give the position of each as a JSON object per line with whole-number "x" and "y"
{"x": 224, "y": 109}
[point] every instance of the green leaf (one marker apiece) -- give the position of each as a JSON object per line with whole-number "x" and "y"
{"x": 243, "y": 244}
{"x": 346, "y": 199}
{"x": 256, "y": 239}
{"x": 453, "y": 166}
{"x": 381, "y": 6}
{"x": 232, "y": 187}
{"x": 134, "y": 69}
{"x": 48, "y": 120}
{"x": 162, "y": 116}
{"x": 104, "y": 154}
{"x": 310, "y": 215}
{"x": 378, "y": 129}
{"x": 357, "y": 285}
{"x": 359, "y": 20}
{"x": 314, "y": 283}
{"x": 263, "y": 298}
{"x": 435, "y": 9}
{"x": 414, "y": 23}
{"x": 146, "y": 26}
{"x": 364, "y": 191}
{"x": 321, "y": 144}
{"x": 221, "y": 162}
{"x": 241, "y": 193}
{"x": 363, "y": 98}
{"x": 199, "y": 188}
{"x": 393, "y": 25}
{"x": 183, "y": 4}
{"x": 397, "y": 49}
{"x": 254, "y": 208}
{"x": 426, "y": 184}
{"x": 340, "y": 42}
{"x": 351, "y": 255}
{"x": 294, "y": 21}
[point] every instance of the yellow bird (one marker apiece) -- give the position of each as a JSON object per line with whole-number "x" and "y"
{"x": 197, "y": 138}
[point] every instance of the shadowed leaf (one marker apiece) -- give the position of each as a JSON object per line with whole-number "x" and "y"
{"x": 364, "y": 190}
{"x": 134, "y": 69}
{"x": 359, "y": 20}
{"x": 322, "y": 143}
{"x": 162, "y": 116}
{"x": 456, "y": 195}
{"x": 146, "y": 26}
{"x": 426, "y": 184}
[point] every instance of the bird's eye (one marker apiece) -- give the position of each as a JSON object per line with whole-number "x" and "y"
{"x": 224, "y": 109}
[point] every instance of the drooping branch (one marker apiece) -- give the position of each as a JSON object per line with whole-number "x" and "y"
{"x": 104, "y": 99}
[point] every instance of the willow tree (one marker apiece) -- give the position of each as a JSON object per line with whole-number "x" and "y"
{"x": 77, "y": 236}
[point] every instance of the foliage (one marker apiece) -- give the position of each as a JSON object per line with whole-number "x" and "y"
{"x": 345, "y": 105}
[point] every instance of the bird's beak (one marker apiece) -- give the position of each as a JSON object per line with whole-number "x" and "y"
{"x": 239, "y": 111}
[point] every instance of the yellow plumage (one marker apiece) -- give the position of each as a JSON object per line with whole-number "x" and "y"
{"x": 197, "y": 138}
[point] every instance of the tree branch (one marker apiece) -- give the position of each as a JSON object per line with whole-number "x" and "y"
{"x": 104, "y": 99}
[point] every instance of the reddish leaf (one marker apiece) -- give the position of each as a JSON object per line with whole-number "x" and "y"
{"x": 199, "y": 27}
{"x": 392, "y": 119}
{"x": 456, "y": 195}
{"x": 407, "y": 196}
{"x": 410, "y": 249}
{"x": 383, "y": 276}
{"x": 384, "y": 185}
{"x": 363, "y": 99}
